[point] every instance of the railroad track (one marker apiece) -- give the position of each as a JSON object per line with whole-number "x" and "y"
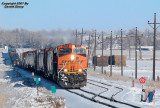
{"x": 112, "y": 97}
{"x": 100, "y": 96}
{"x": 91, "y": 99}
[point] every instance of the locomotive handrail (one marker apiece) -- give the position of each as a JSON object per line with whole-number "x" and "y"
{"x": 82, "y": 67}
{"x": 62, "y": 68}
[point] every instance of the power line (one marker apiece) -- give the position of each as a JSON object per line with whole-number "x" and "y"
{"x": 76, "y": 36}
{"x": 82, "y": 36}
{"x": 102, "y": 52}
{"x": 136, "y": 55}
{"x": 111, "y": 54}
{"x": 102, "y": 42}
{"x": 95, "y": 51}
{"x": 136, "y": 61}
{"x": 88, "y": 42}
{"x": 79, "y": 34}
{"x": 121, "y": 54}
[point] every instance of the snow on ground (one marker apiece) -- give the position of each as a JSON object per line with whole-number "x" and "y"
{"x": 131, "y": 94}
{"x": 145, "y": 54}
{"x": 19, "y": 92}
{"x": 144, "y": 69}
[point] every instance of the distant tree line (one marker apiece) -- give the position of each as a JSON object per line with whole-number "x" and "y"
{"x": 22, "y": 38}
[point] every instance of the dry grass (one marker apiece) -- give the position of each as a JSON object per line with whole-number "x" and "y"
{"x": 53, "y": 102}
{"x": 48, "y": 100}
{"x": 154, "y": 84}
{"x": 107, "y": 76}
{"x": 3, "y": 96}
{"x": 3, "y": 100}
{"x": 40, "y": 100}
{"x": 58, "y": 102}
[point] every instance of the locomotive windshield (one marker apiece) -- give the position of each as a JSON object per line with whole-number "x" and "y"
{"x": 66, "y": 51}
{"x": 79, "y": 50}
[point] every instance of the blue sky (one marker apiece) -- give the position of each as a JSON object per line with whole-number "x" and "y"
{"x": 72, "y": 14}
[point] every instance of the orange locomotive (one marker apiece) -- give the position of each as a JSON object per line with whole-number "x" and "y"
{"x": 65, "y": 64}
{"x": 72, "y": 65}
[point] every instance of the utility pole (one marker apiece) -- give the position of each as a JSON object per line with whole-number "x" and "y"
{"x": 140, "y": 50}
{"x": 88, "y": 41}
{"x": 76, "y": 36}
{"x": 95, "y": 51}
{"x": 136, "y": 39}
{"x": 111, "y": 54}
{"x": 129, "y": 49}
{"x": 136, "y": 55}
{"x": 89, "y": 48}
{"x": 82, "y": 37}
{"x": 16, "y": 32}
{"x": 102, "y": 57}
{"x": 32, "y": 40}
{"x": 102, "y": 52}
{"x": 121, "y": 54}
{"x": 16, "y": 38}
{"x": 23, "y": 40}
{"x": 154, "y": 44}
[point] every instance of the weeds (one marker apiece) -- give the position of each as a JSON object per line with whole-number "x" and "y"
{"x": 53, "y": 102}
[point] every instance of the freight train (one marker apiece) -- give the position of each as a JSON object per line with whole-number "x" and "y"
{"x": 65, "y": 64}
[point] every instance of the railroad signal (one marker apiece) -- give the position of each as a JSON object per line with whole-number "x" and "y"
{"x": 37, "y": 82}
{"x": 32, "y": 78}
{"x": 53, "y": 89}
{"x": 142, "y": 80}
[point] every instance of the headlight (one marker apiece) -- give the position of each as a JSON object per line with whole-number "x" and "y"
{"x": 72, "y": 57}
{"x": 65, "y": 70}
{"x": 80, "y": 70}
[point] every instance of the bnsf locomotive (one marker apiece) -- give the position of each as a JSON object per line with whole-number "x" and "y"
{"x": 65, "y": 64}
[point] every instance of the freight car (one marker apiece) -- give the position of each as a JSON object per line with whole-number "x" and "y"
{"x": 14, "y": 56}
{"x": 65, "y": 64}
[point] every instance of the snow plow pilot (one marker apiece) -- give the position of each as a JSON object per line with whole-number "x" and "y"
{"x": 149, "y": 93}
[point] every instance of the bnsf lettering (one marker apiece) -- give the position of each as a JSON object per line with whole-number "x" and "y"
{"x": 82, "y": 61}
{"x": 69, "y": 61}
{"x": 63, "y": 61}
